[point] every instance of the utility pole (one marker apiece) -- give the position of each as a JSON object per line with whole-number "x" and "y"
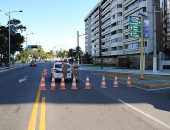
{"x": 78, "y": 47}
{"x": 154, "y": 39}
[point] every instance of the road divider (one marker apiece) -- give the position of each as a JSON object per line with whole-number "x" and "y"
{"x": 33, "y": 118}
{"x": 32, "y": 122}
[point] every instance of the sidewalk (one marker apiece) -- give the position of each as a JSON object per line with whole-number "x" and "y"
{"x": 13, "y": 66}
{"x": 124, "y": 71}
{"x": 152, "y": 80}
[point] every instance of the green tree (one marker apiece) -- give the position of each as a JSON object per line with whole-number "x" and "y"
{"x": 87, "y": 58}
{"x": 16, "y": 39}
{"x": 65, "y": 54}
{"x": 40, "y": 52}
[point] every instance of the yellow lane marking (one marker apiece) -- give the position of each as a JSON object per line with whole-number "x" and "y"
{"x": 42, "y": 115}
{"x": 32, "y": 122}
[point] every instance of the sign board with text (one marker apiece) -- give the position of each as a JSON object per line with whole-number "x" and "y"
{"x": 135, "y": 26}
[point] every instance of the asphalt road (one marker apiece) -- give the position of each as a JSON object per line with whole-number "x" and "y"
{"x": 119, "y": 108}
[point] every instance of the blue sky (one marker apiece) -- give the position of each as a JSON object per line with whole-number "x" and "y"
{"x": 53, "y": 22}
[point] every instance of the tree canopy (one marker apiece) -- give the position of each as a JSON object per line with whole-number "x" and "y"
{"x": 16, "y": 38}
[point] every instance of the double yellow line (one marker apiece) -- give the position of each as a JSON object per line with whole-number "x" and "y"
{"x": 33, "y": 118}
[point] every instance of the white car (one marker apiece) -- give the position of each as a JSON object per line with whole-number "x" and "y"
{"x": 57, "y": 73}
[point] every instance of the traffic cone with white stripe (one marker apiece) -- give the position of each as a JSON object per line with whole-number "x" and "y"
{"x": 103, "y": 84}
{"x": 87, "y": 85}
{"x": 74, "y": 86}
{"x": 129, "y": 82}
{"x": 63, "y": 87}
{"x": 42, "y": 83}
{"x": 115, "y": 84}
{"x": 53, "y": 85}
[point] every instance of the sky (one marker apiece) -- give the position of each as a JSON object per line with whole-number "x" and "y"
{"x": 54, "y": 23}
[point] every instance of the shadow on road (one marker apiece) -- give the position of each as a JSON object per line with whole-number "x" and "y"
{"x": 26, "y": 93}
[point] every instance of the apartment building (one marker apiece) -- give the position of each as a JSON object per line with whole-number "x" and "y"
{"x": 112, "y": 29}
{"x": 113, "y": 41}
{"x": 92, "y": 29}
{"x": 166, "y": 25}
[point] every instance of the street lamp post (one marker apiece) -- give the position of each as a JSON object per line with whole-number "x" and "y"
{"x": 9, "y": 33}
{"x": 27, "y": 38}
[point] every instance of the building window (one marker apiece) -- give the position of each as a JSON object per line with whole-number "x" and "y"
{"x": 119, "y": 14}
{"x": 119, "y": 31}
{"x": 114, "y": 48}
{"x": 113, "y": 16}
{"x": 119, "y": 5}
{"x": 119, "y": 22}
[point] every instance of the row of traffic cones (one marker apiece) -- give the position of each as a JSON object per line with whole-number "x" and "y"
{"x": 87, "y": 84}
{"x": 62, "y": 87}
{"x": 115, "y": 83}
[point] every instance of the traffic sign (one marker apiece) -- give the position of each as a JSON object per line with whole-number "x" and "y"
{"x": 135, "y": 34}
{"x": 135, "y": 26}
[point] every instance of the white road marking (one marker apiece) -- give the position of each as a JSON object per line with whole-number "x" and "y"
{"x": 159, "y": 88}
{"x": 23, "y": 79}
{"x": 149, "y": 116}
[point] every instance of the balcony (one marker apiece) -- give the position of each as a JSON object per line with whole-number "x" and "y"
{"x": 105, "y": 4}
{"x": 106, "y": 24}
{"x": 106, "y": 10}
{"x": 106, "y": 17}
{"x": 106, "y": 32}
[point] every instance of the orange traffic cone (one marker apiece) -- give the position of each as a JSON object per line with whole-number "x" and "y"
{"x": 129, "y": 83}
{"x": 87, "y": 85}
{"x": 63, "y": 87}
{"x": 42, "y": 83}
{"x": 74, "y": 84}
{"x": 53, "y": 85}
{"x": 103, "y": 84}
{"x": 115, "y": 84}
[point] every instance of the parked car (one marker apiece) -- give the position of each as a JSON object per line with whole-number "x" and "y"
{"x": 60, "y": 69}
{"x": 33, "y": 63}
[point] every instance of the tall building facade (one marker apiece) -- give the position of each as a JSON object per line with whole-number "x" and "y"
{"x": 113, "y": 30}
{"x": 92, "y": 29}
{"x": 166, "y": 25}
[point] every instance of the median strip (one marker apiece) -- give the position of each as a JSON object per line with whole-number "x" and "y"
{"x": 32, "y": 122}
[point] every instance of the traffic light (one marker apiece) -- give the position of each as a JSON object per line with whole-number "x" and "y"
{"x": 32, "y": 46}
